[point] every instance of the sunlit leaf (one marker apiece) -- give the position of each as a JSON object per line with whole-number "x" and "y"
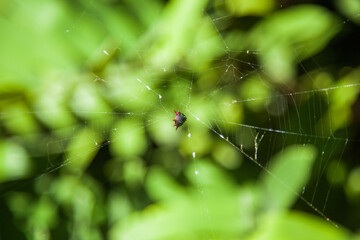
{"x": 14, "y": 161}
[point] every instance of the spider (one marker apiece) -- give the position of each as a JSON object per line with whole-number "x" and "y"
{"x": 179, "y": 119}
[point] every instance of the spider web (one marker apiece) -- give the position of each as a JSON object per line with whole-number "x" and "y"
{"x": 241, "y": 107}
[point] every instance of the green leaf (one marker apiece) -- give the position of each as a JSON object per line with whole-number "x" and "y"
{"x": 292, "y": 35}
{"x": 176, "y": 32}
{"x": 128, "y": 138}
{"x": 214, "y": 205}
{"x": 250, "y": 8}
{"x": 297, "y": 226}
{"x": 14, "y": 161}
{"x": 161, "y": 187}
{"x": 287, "y": 175}
{"x": 82, "y": 149}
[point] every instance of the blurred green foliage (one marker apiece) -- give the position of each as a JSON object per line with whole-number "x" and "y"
{"x": 87, "y": 93}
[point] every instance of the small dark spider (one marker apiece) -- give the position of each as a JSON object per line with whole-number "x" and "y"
{"x": 179, "y": 119}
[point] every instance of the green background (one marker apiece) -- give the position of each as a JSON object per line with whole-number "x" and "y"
{"x": 269, "y": 149}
